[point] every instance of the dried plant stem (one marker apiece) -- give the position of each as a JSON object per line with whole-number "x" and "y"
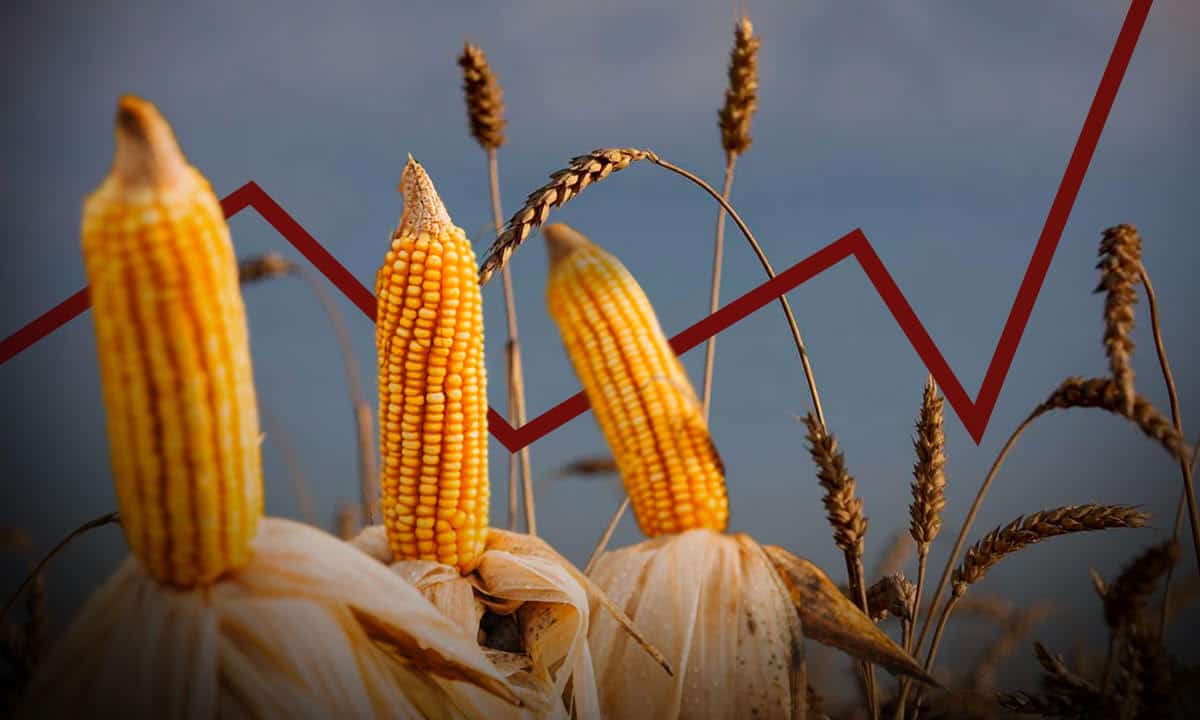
{"x": 958, "y": 544}
{"x": 368, "y": 472}
{"x": 272, "y": 265}
{"x": 766, "y": 264}
{"x": 101, "y": 521}
{"x": 710, "y": 348}
{"x": 586, "y": 170}
{"x": 278, "y": 437}
{"x": 1185, "y": 468}
{"x": 608, "y": 532}
{"x": 516, "y": 376}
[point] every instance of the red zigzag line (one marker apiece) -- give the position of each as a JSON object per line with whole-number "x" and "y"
{"x": 974, "y": 414}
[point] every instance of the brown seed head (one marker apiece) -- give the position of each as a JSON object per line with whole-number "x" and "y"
{"x": 843, "y": 509}
{"x": 485, "y": 99}
{"x": 929, "y": 474}
{"x": 891, "y": 595}
{"x": 1125, "y": 600}
{"x": 1120, "y": 259}
{"x": 564, "y": 185}
{"x": 264, "y": 267}
{"x": 1024, "y": 531}
{"x": 1104, "y": 393}
{"x": 741, "y": 98}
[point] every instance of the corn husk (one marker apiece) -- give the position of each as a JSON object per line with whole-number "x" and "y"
{"x": 733, "y": 616}
{"x": 309, "y": 628}
{"x": 553, "y": 602}
{"x": 713, "y": 604}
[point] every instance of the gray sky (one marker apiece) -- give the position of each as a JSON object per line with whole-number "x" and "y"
{"x": 941, "y": 129}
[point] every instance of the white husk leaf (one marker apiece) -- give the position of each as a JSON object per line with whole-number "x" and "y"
{"x": 552, "y": 607}
{"x": 309, "y": 628}
{"x": 714, "y": 605}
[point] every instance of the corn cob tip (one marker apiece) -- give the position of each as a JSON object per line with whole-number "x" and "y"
{"x": 562, "y": 240}
{"x": 147, "y": 154}
{"x": 423, "y": 208}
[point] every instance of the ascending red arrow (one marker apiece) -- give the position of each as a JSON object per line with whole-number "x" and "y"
{"x": 973, "y": 413}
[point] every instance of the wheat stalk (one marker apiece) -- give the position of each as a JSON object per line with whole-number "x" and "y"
{"x": 983, "y": 675}
{"x": 1120, "y": 258}
{"x": 587, "y": 169}
{"x": 485, "y": 113}
{"x": 1104, "y": 393}
{"x": 41, "y": 564}
{"x": 1072, "y": 392}
{"x": 272, "y": 265}
{"x": 843, "y": 509}
{"x": 929, "y": 499}
{"x": 1020, "y": 533}
{"x": 845, "y": 514}
{"x": 929, "y": 472}
{"x": 891, "y": 595}
{"x": 1025, "y": 531}
{"x": 1125, "y": 599}
{"x": 741, "y": 101}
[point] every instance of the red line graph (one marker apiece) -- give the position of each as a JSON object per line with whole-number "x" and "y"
{"x": 974, "y": 414}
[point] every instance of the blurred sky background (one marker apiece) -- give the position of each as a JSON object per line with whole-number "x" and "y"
{"x": 941, "y": 129}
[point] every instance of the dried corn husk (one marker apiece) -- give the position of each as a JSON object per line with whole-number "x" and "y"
{"x": 309, "y": 628}
{"x": 733, "y": 616}
{"x": 553, "y": 602}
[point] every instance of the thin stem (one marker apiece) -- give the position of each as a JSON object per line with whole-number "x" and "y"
{"x": 1109, "y": 657}
{"x": 516, "y": 380}
{"x": 762, "y": 258}
{"x": 276, "y": 435}
{"x": 858, "y": 586}
{"x": 368, "y": 473}
{"x": 608, "y": 532}
{"x": 1166, "y": 600}
{"x": 910, "y": 625}
{"x": 101, "y": 521}
{"x": 1176, "y": 417}
{"x": 710, "y": 349}
{"x": 933, "y": 647}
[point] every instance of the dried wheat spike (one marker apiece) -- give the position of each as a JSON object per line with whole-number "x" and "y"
{"x": 485, "y": 99}
{"x": 1105, "y": 394}
{"x": 843, "y": 509}
{"x": 1125, "y": 599}
{"x": 1015, "y": 630}
{"x": 1098, "y": 583}
{"x": 929, "y": 472}
{"x": 1074, "y": 695}
{"x": 741, "y": 98}
{"x": 264, "y": 267}
{"x": 590, "y": 466}
{"x": 1024, "y": 531}
{"x": 564, "y": 184}
{"x": 1120, "y": 260}
{"x": 1023, "y": 703}
{"x": 892, "y": 594}
{"x": 1150, "y": 665}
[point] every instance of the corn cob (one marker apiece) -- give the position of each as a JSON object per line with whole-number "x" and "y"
{"x": 174, "y": 357}
{"x": 637, "y": 387}
{"x": 432, "y": 385}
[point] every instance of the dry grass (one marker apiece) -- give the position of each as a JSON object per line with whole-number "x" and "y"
{"x": 1126, "y": 598}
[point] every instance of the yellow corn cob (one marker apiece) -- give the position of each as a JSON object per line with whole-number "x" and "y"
{"x": 174, "y": 357}
{"x": 432, "y": 385}
{"x": 637, "y": 387}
